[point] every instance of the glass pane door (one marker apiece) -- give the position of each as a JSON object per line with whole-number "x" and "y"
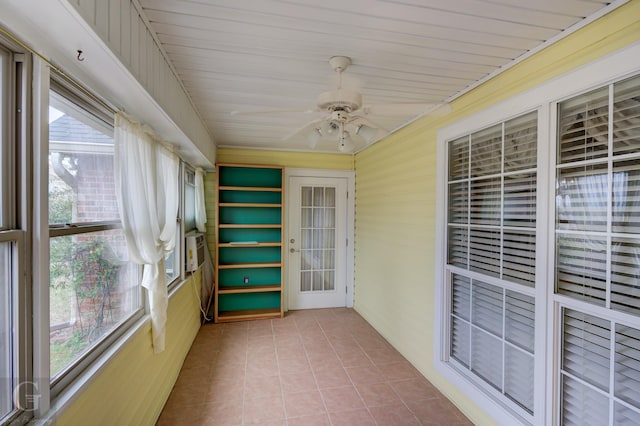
{"x": 316, "y": 228}
{"x": 318, "y": 238}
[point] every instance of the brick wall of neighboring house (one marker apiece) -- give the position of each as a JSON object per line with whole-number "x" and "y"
{"x": 96, "y": 201}
{"x": 96, "y": 197}
{"x": 99, "y": 307}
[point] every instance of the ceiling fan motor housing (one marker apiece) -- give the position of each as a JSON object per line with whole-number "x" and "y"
{"x": 340, "y": 100}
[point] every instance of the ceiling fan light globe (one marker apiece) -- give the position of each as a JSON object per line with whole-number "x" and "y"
{"x": 328, "y": 128}
{"x": 367, "y": 133}
{"x": 345, "y": 143}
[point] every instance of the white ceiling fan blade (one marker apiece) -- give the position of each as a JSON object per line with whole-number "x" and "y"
{"x": 304, "y": 129}
{"x": 408, "y": 109}
{"x": 358, "y": 120}
{"x": 274, "y": 111}
{"x": 369, "y": 132}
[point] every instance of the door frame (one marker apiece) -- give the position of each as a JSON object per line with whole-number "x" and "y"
{"x": 350, "y": 177}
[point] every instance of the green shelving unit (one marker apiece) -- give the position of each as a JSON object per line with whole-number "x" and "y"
{"x": 248, "y": 242}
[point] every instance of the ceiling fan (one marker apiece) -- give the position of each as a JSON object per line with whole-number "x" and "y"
{"x": 345, "y": 116}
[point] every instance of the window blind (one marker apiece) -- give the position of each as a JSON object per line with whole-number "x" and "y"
{"x": 626, "y": 196}
{"x": 484, "y": 251}
{"x": 587, "y": 348}
{"x": 582, "y": 198}
{"x": 486, "y": 151}
{"x": 625, "y": 275}
{"x": 520, "y": 200}
{"x": 519, "y": 257}
{"x": 582, "y": 405}
{"x": 485, "y": 201}
{"x": 626, "y": 117}
{"x": 459, "y": 158}
{"x": 599, "y": 197}
{"x": 460, "y": 319}
{"x": 521, "y": 143}
{"x": 627, "y": 366}
{"x": 492, "y": 334}
{"x": 491, "y": 230}
{"x": 458, "y": 202}
{"x": 518, "y": 380}
{"x": 583, "y": 127}
{"x": 585, "y": 352}
{"x": 458, "y": 246}
{"x": 581, "y": 268}
{"x": 598, "y": 253}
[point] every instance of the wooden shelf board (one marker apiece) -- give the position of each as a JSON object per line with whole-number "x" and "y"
{"x": 249, "y": 289}
{"x": 250, "y": 265}
{"x": 274, "y": 244}
{"x": 249, "y": 188}
{"x": 249, "y": 314}
{"x": 249, "y": 225}
{"x": 249, "y": 205}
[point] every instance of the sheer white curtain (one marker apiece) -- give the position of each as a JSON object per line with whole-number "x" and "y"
{"x": 147, "y": 191}
{"x": 201, "y": 212}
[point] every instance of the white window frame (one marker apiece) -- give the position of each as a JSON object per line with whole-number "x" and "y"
{"x": 562, "y": 301}
{"x": 544, "y": 99}
{"x": 15, "y": 229}
{"x": 77, "y": 366}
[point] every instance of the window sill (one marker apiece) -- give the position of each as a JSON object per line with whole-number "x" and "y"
{"x": 495, "y": 410}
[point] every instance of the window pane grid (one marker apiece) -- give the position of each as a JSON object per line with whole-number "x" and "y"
{"x": 491, "y": 204}
{"x": 598, "y": 253}
{"x": 598, "y": 197}
{"x": 491, "y": 233}
{"x": 93, "y": 288}
{"x": 600, "y": 371}
{"x": 318, "y": 233}
{"x": 490, "y": 323}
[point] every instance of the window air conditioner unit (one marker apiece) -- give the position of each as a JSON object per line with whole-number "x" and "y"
{"x": 194, "y": 251}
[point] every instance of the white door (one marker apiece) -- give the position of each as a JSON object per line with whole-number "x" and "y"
{"x": 317, "y": 240}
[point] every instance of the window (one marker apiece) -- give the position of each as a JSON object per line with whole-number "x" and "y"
{"x": 6, "y": 282}
{"x": 93, "y": 289}
{"x": 172, "y": 260}
{"x": 491, "y": 198}
{"x": 539, "y": 287}
{"x": 189, "y": 199}
{"x": 597, "y": 256}
{"x": 14, "y": 312}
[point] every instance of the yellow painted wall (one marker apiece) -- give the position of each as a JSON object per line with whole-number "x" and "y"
{"x": 396, "y": 200}
{"x": 133, "y": 387}
{"x": 310, "y": 160}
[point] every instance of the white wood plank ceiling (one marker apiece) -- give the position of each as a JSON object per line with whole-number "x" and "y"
{"x": 242, "y": 55}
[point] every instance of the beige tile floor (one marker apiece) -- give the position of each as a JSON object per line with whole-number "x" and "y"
{"x": 314, "y": 367}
